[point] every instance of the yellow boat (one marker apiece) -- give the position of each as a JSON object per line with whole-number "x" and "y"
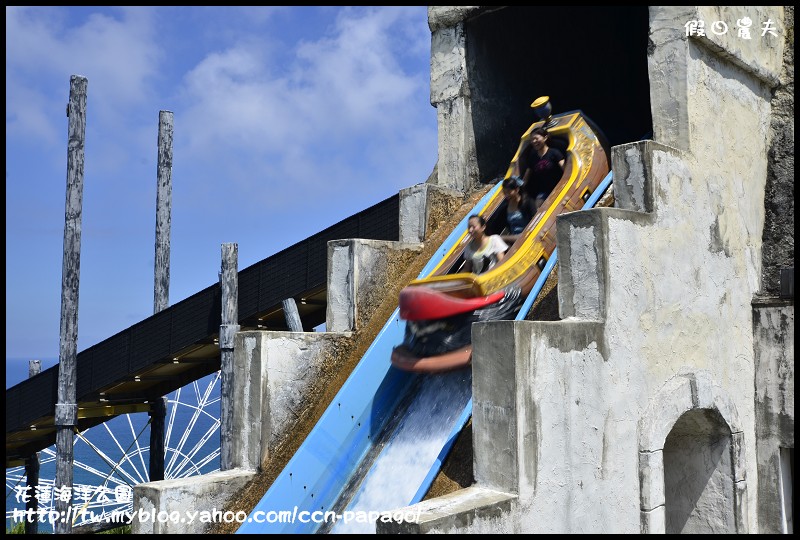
{"x": 440, "y": 308}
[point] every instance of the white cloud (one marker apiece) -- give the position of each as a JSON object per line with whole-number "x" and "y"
{"x": 275, "y": 139}
{"x": 309, "y": 115}
{"x": 116, "y": 51}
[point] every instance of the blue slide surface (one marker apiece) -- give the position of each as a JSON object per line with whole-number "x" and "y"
{"x": 318, "y": 473}
{"x": 382, "y": 440}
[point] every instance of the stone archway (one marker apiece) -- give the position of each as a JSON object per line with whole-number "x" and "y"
{"x": 698, "y": 479}
{"x": 693, "y": 428}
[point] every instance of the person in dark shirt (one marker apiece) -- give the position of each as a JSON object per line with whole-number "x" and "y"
{"x": 541, "y": 166}
{"x": 517, "y": 208}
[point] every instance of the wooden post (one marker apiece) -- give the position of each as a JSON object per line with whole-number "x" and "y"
{"x": 229, "y": 282}
{"x": 158, "y": 411}
{"x": 158, "y": 415}
{"x": 163, "y": 211}
{"x": 292, "y": 315}
{"x": 32, "y": 471}
{"x": 34, "y": 368}
{"x": 66, "y": 414}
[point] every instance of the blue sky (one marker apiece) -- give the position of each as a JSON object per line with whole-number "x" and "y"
{"x": 286, "y": 121}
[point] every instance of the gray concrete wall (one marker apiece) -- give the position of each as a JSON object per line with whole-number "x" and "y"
{"x": 422, "y": 207}
{"x": 457, "y": 162}
{"x": 358, "y": 275}
{"x": 773, "y": 328}
{"x": 179, "y": 506}
{"x": 656, "y": 295}
{"x": 473, "y": 505}
{"x": 778, "y": 249}
{"x": 275, "y": 372}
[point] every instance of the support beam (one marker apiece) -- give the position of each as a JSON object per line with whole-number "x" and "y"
{"x": 158, "y": 414}
{"x": 66, "y": 416}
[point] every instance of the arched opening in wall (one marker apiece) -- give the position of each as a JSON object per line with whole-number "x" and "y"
{"x": 587, "y": 58}
{"x": 698, "y": 475}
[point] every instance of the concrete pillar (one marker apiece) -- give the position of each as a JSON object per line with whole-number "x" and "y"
{"x": 419, "y": 205}
{"x": 273, "y": 374}
{"x": 457, "y": 162}
{"x": 357, "y": 275}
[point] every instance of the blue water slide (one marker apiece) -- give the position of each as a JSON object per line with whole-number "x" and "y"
{"x": 347, "y": 431}
{"x": 466, "y": 413}
{"x": 379, "y": 409}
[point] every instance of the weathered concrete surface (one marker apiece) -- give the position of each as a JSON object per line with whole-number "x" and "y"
{"x": 273, "y": 371}
{"x": 457, "y": 161}
{"x": 421, "y": 208}
{"x": 699, "y": 488}
{"x": 773, "y": 327}
{"x": 761, "y": 55}
{"x": 183, "y": 496}
{"x": 557, "y": 414}
{"x": 672, "y": 80}
{"x": 583, "y": 283}
{"x": 548, "y": 427}
{"x": 633, "y": 189}
{"x": 676, "y": 286}
{"x": 555, "y": 422}
{"x": 778, "y": 250}
{"x": 445, "y": 16}
{"x": 456, "y": 510}
{"x": 357, "y": 278}
{"x": 584, "y": 420}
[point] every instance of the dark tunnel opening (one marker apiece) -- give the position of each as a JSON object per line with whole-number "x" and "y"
{"x": 592, "y": 59}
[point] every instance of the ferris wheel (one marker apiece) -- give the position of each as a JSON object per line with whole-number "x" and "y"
{"x": 113, "y": 457}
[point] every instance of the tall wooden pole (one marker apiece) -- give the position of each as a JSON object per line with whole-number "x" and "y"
{"x": 32, "y": 471}
{"x": 163, "y": 211}
{"x": 66, "y": 414}
{"x": 158, "y": 409}
{"x": 229, "y": 282}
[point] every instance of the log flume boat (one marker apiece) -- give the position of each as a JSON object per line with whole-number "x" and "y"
{"x": 439, "y": 309}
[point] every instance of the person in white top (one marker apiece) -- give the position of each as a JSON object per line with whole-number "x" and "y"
{"x": 482, "y": 252}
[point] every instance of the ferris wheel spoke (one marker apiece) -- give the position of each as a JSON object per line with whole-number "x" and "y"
{"x": 197, "y": 467}
{"x": 209, "y": 389}
{"x": 176, "y": 464}
{"x": 124, "y": 453}
{"x": 188, "y": 431}
{"x": 172, "y": 413}
{"x": 112, "y": 457}
{"x": 145, "y": 468}
{"x": 110, "y": 462}
{"x": 197, "y": 447}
